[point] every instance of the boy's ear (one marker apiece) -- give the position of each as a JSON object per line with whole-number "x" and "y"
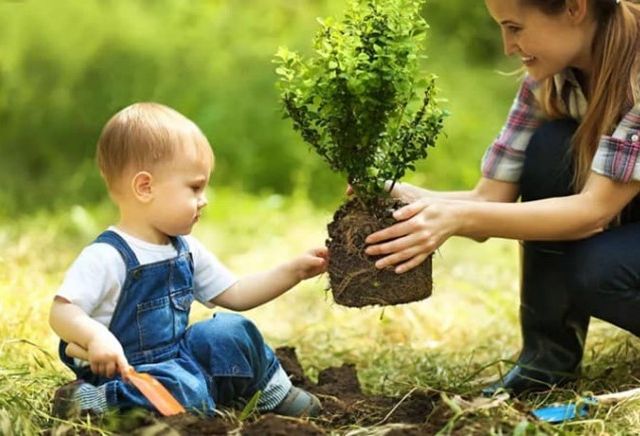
{"x": 142, "y": 186}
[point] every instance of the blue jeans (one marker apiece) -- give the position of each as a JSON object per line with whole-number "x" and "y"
{"x": 601, "y": 273}
{"x": 220, "y": 361}
{"x": 211, "y": 362}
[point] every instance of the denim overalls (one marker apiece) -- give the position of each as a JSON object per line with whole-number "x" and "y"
{"x": 215, "y": 361}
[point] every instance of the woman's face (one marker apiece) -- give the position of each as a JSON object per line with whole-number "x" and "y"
{"x": 546, "y": 44}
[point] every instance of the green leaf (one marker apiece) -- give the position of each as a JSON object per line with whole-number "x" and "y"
{"x": 250, "y": 407}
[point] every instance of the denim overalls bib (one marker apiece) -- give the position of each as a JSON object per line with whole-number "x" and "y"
{"x": 216, "y": 360}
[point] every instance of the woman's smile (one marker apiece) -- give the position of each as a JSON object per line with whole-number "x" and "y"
{"x": 528, "y": 60}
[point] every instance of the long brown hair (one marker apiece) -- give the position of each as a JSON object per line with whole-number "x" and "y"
{"x": 614, "y": 84}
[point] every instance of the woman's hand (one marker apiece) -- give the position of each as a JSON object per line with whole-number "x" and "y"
{"x": 402, "y": 191}
{"x": 406, "y": 192}
{"x": 424, "y": 225}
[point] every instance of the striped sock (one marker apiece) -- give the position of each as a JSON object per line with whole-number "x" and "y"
{"x": 92, "y": 398}
{"x": 275, "y": 391}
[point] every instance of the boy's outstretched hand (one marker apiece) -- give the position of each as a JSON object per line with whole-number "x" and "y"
{"x": 256, "y": 289}
{"x": 311, "y": 263}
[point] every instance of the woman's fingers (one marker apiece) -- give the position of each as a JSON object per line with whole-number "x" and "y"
{"x": 410, "y": 210}
{"x": 400, "y": 243}
{"x": 395, "y": 231}
{"x": 400, "y": 229}
{"x": 412, "y": 263}
{"x": 412, "y": 245}
{"x": 398, "y": 257}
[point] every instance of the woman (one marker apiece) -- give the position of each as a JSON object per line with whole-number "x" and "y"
{"x": 569, "y": 151}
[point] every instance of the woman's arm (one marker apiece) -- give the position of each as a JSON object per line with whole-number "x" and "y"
{"x": 485, "y": 190}
{"x": 562, "y": 218}
{"x": 427, "y": 223}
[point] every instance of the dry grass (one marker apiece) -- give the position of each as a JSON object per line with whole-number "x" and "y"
{"x": 453, "y": 342}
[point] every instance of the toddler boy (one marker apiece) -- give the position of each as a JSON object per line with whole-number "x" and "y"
{"x": 126, "y": 298}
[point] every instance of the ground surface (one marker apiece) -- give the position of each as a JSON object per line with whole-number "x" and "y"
{"x": 345, "y": 407}
{"x": 430, "y": 358}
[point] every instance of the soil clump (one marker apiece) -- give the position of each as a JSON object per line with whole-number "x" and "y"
{"x": 353, "y": 277}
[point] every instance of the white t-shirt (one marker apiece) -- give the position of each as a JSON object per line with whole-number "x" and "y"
{"x": 95, "y": 279}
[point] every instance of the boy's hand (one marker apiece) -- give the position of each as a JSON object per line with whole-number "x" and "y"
{"x": 311, "y": 263}
{"x": 106, "y": 355}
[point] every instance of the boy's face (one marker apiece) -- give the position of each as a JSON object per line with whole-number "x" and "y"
{"x": 179, "y": 193}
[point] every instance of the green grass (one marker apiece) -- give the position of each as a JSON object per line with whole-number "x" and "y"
{"x": 453, "y": 342}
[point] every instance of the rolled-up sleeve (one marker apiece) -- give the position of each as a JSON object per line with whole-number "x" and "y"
{"x": 504, "y": 159}
{"x": 617, "y": 155}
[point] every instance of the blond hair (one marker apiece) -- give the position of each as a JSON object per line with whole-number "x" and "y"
{"x": 614, "y": 84}
{"x": 142, "y": 135}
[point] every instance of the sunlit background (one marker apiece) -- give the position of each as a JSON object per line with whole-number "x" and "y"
{"x": 66, "y": 66}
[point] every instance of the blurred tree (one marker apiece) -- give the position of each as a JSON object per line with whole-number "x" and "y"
{"x": 465, "y": 27}
{"x": 66, "y": 66}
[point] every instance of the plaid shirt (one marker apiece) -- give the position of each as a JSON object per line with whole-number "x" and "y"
{"x": 616, "y": 156}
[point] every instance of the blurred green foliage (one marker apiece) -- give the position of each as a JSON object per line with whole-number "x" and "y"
{"x": 67, "y": 66}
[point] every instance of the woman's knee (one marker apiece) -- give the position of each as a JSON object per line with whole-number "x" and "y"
{"x": 585, "y": 271}
{"x": 609, "y": 260}
{"x": 603, "y": 262}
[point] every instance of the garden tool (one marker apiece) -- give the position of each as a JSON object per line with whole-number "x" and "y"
{"x": 151, "y": 388}
{"x": 578, "y": 409}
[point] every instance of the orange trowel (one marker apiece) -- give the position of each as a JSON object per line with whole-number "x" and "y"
{"x": 151, "y": 388}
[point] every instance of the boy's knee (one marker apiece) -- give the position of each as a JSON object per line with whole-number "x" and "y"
{"x": 232, "y": 326}
{"x": 232, "y": 321}
{"x": 227, "y": 344}
{"x": 225, "y": 330}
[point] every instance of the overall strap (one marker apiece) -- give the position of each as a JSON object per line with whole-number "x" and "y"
{"x": 182, "y": 247}
{"x": 112, "y": 238}
{"x": 180, "y": 244}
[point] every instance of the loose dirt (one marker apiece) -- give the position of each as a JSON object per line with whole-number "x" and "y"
{"x": 344, "y": 404}
{"x": 345, "y": 408}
